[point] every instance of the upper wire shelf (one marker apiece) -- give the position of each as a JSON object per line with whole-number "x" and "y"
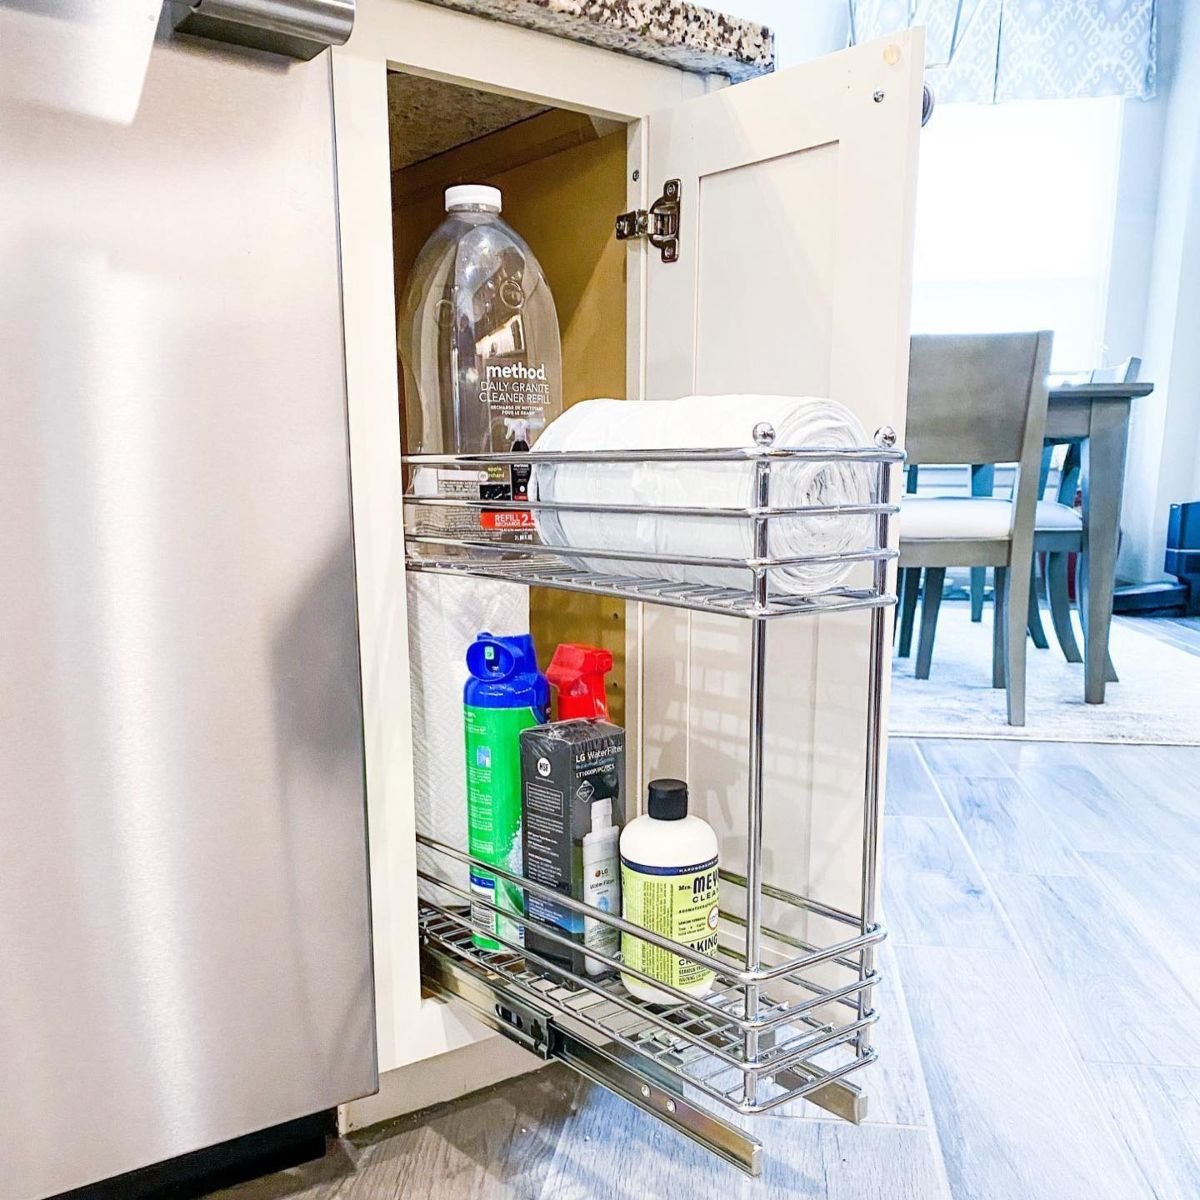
{"x": 448, "y": 534}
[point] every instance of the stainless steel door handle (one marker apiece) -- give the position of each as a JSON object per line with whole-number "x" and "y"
{"x": 295, "y": 28}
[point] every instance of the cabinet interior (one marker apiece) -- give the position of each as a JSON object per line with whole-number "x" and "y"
{"x": 563, "y": 178}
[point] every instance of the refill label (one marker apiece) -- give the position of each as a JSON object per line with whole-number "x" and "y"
{"x": 476, "y": 488}
{"x": 517, "y": 391}
{"x": 677, "y": 902}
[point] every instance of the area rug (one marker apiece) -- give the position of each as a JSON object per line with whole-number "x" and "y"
{"x": 1157, "y": 701}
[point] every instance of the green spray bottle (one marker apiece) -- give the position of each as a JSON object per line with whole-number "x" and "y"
{"x": 504, "y": 694}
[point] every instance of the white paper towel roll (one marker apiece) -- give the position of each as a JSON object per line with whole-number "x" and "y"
{"x": 705, "y": 422}
{"x": 445, "y": 613}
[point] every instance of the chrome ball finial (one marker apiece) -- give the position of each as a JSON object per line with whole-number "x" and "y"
{"x": 885, "y": 435}
{"x": 764, "y": 434}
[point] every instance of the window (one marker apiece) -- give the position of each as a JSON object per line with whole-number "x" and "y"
{"x": 1015, "y": 209}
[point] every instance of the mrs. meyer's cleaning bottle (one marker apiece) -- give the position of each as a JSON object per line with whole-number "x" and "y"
{"x": 482, "y": 360}
{"x": 504, "y": 695}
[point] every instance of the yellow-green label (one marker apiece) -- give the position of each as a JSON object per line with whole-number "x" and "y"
{"x": 679, "y": 903}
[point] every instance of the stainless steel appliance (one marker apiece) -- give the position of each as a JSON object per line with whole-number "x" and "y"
{"x": 184, "y": 920}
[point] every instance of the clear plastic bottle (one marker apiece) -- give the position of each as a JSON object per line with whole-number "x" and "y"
{"x": 480, "y": 350}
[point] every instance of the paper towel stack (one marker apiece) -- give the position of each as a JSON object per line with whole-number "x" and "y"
{"x": 705, "y": 422}
{"x": 445, "y": 613}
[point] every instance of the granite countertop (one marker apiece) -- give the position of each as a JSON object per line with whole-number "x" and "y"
{"x": 674, "y": 32}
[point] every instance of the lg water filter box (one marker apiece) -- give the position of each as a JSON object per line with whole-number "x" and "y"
{"x": 573, "y": 792}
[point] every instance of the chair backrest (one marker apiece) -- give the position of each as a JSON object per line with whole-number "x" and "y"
{"x": 977, "y": 398}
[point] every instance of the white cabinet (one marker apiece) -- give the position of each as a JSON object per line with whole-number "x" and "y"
{"x": 792, "y": 276}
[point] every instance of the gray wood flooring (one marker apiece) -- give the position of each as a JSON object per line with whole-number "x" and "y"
{"x": 1041, "y": 1036}
{"x": 1181, "y": 632}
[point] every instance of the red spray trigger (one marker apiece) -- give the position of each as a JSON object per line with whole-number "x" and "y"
{"x": 577, "y": 671}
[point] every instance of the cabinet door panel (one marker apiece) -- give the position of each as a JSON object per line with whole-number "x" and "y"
{"x": 793, "y": 277}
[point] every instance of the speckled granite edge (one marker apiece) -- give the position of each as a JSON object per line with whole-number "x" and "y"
{"x": 679, "y": 34}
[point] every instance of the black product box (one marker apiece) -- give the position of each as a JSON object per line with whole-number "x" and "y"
{"x": 573, "y": 807}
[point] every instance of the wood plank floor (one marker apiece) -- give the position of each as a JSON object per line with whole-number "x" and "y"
{"x": 1042, "y": 1032}
{"x": 1181, "y": 632}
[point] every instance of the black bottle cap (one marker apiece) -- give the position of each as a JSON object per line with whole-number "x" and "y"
{"x": 668, "y": 800}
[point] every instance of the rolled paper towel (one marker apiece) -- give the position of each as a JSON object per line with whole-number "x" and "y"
{"x": 705, "y": 422}
{"x": 444, "y": 615}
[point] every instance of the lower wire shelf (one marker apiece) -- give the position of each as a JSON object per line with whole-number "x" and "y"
{"x": 684, "y": 1064}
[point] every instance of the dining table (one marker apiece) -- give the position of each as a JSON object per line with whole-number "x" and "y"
{"x": 1096, "y": 416}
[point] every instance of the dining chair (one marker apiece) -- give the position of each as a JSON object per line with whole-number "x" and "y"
{"x": 1058, "y": 535}
{"x": 983, "y": 481}
{"x": 908, "y": 587}
{"x": 977, "y": 398}
{"x": 1059, "y": 529}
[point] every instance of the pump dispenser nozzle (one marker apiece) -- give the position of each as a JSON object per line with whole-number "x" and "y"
{"x": 577, "y": 671}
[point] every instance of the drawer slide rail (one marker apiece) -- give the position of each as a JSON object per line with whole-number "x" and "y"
{"x": 495, "y": 1005}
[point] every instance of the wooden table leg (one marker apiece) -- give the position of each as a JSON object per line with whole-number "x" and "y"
{"x": 1103, "y": 478}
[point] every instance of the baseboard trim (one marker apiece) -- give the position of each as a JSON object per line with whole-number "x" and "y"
{"x": 439, "y": 1079}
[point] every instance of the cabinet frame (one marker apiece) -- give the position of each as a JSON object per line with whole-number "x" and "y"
{"x": 426, "y": 41}
{"x": 438, "y": 43}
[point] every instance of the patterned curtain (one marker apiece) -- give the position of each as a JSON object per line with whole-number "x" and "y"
{"x": 988, "y": 51}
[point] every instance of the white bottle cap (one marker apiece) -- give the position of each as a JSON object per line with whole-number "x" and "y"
{"x": 602, "y": 814}
{"x": 467, "y": 194}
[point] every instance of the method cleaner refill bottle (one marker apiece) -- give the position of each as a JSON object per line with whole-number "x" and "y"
{"x": 481, "y": 355}
{"x": 481, "y": 373}
{"x": 504, "y": 695}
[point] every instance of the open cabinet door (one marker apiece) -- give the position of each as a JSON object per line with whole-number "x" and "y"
{"x": 794, "y": 269}
{"x": 792, "y": 276}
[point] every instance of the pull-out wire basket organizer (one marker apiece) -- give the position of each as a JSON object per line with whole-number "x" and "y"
{"x": 788, "y": 1016}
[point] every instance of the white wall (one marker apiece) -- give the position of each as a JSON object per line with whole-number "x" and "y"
{"x": 994, "y": 254}
{"x": 1154, "y": 292}
{"x": 1153, "y": 308}
{"x": 803, "y": 28}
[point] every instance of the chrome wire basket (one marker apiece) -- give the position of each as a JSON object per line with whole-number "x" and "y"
{"x": 788, "y": 1017}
